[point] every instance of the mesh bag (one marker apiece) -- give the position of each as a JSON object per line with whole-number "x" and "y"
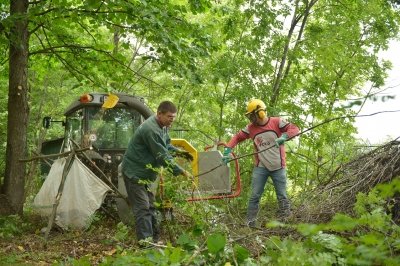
{"x": 82, "y": 195}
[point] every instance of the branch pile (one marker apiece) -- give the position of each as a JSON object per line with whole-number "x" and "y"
{"x": 338, "y": 195}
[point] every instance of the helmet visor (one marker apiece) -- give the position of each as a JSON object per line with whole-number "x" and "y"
{"x": 252, "y": 117}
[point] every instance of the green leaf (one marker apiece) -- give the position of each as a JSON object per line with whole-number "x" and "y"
{"x": 185, "y": 241}
{"x": 176, "y": 255}
{"x": 341, "y": 222}
{"x": 308, "y": 229}
{"x": 198, "y": 6}
{"x": 216, "y": 243}
{"x": 84, "y": 261}
{"x": 198, "y": 230}
{"x": 371, "y": 239}
{"x": 274, "y": 224}
{"x": 241, "y": 253}
{"x": 329, "y": 241}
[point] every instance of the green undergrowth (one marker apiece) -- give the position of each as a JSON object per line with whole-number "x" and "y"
{"x": 370, "y": 237}
{"x": 11, "y": 226}
{"x": 198, "y": 236}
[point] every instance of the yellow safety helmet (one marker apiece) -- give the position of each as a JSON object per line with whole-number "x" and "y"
{"x": 256, "y": 106}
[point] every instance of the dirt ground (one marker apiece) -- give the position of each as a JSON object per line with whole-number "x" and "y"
{"x": 31, "y": 248}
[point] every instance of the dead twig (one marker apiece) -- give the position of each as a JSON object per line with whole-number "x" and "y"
{"x": 362, "y": 174}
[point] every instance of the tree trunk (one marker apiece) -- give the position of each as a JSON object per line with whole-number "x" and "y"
{"x": 18, "y": 110}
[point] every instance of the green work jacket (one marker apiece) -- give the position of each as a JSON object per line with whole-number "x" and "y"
{"x": 147, "y": 151}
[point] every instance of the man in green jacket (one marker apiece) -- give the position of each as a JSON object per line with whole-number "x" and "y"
{"x": 148, "y": 150}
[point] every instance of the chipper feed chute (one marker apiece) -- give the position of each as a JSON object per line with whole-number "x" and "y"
{"x": 212, "y": 179}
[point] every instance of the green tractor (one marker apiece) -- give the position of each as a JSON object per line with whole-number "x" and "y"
{"x": 100, "y": 125}
{"x": 106, "y": 130}
{"x": 103, "y": 129}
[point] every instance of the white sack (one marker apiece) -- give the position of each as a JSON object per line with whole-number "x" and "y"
{"x": 82, "y": 195}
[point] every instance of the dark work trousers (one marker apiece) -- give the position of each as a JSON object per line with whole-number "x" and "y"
{"x": 142, "y": 201}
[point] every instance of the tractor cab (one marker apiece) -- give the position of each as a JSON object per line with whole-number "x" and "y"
{"x": 106, "y": 130}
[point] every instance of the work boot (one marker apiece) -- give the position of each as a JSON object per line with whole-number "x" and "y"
{"x": 251, "y": 224}
{"x": 284, "y": 216}
{"x": 156, "y": 236}
{"x": 251, "y": 217}
{"x": 284, "y": 210}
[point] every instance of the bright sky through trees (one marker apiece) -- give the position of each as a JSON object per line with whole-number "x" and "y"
{"x": 383, "y": 127}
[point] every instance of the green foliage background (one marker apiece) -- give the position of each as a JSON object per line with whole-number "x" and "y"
{"x": 210, "y": 58}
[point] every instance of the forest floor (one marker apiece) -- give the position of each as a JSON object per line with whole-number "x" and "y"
{"x": 105, "y": 237}
{"x": 31, "y": 248}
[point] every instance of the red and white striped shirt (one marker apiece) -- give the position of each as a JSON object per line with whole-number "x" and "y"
{"x": 263, "y": 136}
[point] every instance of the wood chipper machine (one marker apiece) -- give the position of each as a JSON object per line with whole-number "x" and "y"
{"x": 100, "y": 125}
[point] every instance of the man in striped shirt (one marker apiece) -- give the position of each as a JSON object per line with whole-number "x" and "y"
{"x": 268, "y": 135}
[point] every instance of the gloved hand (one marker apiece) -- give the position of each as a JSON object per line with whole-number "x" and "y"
{"x": 226, "y": 155}
{"x": 184, "y": 154}
{"x": 279, "y": 141}
{"x": 187, "y": 174}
